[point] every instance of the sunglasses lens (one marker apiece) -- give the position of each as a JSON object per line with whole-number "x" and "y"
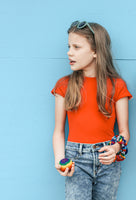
{"x": 75, "y": 23}
{"x": 82, "y": 24}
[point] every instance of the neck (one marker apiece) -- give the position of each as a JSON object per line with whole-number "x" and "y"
{"x": 90, "y": 71}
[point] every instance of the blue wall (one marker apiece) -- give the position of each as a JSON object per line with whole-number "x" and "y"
{"x": 33, "y": 46}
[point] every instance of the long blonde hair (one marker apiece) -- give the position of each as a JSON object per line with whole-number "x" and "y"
{"x": 100, "y": 43}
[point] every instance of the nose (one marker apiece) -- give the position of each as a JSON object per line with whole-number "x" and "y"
{"x": 69, "y": 52}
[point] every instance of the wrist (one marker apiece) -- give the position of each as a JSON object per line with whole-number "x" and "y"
{"x": 58, "y": 160}
{"x": 120, "y": 147}
{"x": 117, "y": 147}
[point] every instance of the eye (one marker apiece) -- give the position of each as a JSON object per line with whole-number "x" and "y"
{"x": 68, "y": 46}
{"x": 77, "y": 47}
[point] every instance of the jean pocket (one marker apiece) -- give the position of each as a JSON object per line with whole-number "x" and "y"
{"x": 71, "y": 154}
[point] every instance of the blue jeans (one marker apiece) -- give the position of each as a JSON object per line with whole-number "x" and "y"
{"x": 91, "y": 179}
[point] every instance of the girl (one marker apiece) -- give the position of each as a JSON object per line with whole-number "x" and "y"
{"x": 93, "y": 96}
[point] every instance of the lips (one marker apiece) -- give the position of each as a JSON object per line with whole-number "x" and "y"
{"x": 72, "y": 62}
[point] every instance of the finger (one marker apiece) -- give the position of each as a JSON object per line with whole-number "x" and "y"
{"x": 105, "y": 148}
{"x": 107, "y": 158}
{"x": 70, "y": 173}
{"x": 104, "y": 154}
{"x": 108, "y": 153}
{"x": 106, "y": 162}
{"x": 65, "y": 173}
{"x": 58, "y": 166}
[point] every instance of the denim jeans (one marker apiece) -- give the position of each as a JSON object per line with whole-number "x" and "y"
{"x": 91, "y": 179}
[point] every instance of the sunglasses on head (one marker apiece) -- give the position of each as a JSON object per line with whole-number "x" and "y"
{"x": 81, "y": 25}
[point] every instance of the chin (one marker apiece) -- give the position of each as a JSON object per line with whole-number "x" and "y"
{"x": 74, "y": 68}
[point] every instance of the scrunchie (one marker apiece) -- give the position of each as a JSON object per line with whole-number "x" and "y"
{"x": 120, "y": 156}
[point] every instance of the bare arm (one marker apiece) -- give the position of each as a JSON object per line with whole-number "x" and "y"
{"x": 122, "y": 119}
{"x": 59, "y": 130}
{"x": 59, "y": 135}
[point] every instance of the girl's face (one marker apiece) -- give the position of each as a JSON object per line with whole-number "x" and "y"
{"x": 80, "y": 54}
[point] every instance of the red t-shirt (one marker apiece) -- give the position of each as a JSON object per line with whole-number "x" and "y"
{"x": 88, "y": 124}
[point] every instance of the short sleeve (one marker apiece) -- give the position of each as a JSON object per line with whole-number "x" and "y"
{"x": 60, "y": 87}
{"x": 121, "y": 90}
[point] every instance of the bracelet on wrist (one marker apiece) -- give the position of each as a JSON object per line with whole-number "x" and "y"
{"x": 120, "y": 156}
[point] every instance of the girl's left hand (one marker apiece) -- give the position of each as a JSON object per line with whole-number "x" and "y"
{"x": 108, "y": 156}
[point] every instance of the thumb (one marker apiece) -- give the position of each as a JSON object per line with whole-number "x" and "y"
{"x": 57, "y": 166}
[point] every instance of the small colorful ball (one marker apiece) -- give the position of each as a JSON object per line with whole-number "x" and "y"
{"x": 65, "y": 163}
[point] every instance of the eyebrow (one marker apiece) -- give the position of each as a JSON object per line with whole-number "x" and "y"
{"x": 74, "y": 44}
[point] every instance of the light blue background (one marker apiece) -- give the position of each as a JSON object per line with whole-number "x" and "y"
{"x": 33, "y": 47}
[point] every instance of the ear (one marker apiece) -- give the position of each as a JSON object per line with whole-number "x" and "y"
{"x": 94, "y": 55}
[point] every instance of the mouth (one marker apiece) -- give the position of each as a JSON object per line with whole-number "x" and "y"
{"x": 72, "y": 62}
